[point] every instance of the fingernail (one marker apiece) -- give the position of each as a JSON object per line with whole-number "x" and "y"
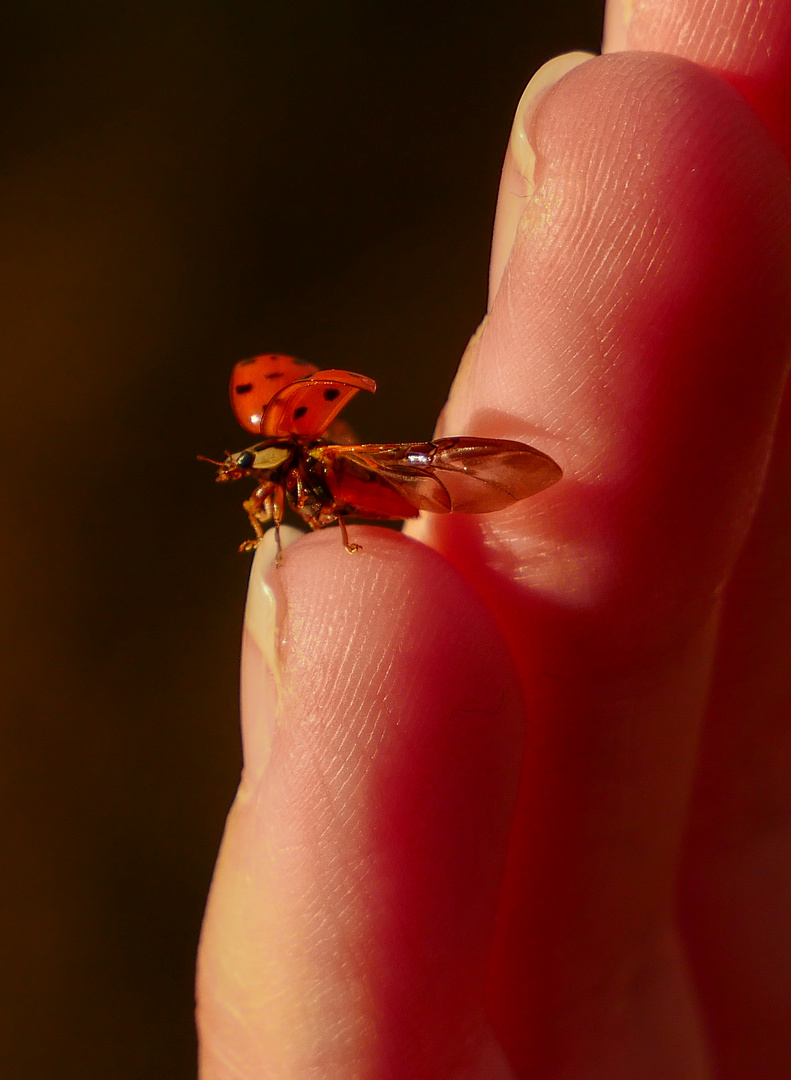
{"x": 618, "y": 15}
{"x": 265, "y": 624}
{"x": 517, "y": 183}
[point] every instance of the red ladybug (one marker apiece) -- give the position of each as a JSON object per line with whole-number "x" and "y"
{"x": 290, "y": 405}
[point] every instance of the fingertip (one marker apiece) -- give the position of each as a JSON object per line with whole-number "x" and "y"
{"x": 261, "y": 667}
{"x": 517, "y": 182}
{"x": 376, "y": 835}
{"x": 640, "y": 330}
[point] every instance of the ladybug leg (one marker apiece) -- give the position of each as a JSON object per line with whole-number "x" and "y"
{"x": 257, "y": 516}
{"x": 259, "y": 511}
{"x": 351, "y": 548}
{"x": 275, "y": 506}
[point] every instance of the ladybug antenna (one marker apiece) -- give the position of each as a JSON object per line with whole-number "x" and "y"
{"x": 211, "y": 461}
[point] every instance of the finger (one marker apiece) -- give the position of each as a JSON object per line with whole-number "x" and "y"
{"x": 648, "y": 279}
{"x": 736, "y": 885}
{"x": 748, "y": 42}
{"x": 353, "y": 903}
{"x": 518, "y": 177}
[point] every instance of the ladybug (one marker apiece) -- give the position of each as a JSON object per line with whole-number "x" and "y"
{"x": 303, "y": 457}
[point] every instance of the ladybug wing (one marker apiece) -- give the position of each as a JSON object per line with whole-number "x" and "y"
{"x": 360, "y": 485}
{"x": 254, "y": 383}
{"x": 465, "y": 475}
{"x": 307, "y": 407}
{"x": 485, "y": 475}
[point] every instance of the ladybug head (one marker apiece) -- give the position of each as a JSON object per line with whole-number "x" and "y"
{"x": 234, "y": 467}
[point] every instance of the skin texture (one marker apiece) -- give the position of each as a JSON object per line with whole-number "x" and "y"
{"x": 515, "y": 800}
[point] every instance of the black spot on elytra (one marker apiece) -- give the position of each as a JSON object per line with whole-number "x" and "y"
{"x": 274, "y": 375}
{"x": 300, "y": 412}
{"x": 273, "y": 356}
{"x": 330, "y": 395}
{"x": 244, "y": 388}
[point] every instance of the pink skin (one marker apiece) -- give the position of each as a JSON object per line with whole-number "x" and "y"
{"x": 386, "y": 905}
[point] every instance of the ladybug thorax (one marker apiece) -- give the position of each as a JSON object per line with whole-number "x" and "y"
{"x": 272, "y": 457}
{"x": 275, "y": 458}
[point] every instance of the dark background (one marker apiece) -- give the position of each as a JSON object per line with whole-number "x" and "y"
{"x": 184, "y": 184}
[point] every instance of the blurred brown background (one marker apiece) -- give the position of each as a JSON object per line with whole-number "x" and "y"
{"x": 184, "y": 184}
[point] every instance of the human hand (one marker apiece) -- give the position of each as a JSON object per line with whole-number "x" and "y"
{"x": 516, "y": 799}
